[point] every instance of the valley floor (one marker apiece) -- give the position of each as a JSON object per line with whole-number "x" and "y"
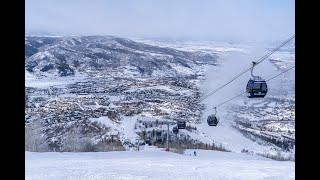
{"x": 154, "y": 164}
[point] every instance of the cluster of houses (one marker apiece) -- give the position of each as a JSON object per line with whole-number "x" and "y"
{"x": 91, "y": 102}
{"x": 70, "y": 109}
{"x": 78, "y": 102}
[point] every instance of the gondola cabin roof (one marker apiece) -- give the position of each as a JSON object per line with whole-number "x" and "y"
{"x": 257, "y": 81}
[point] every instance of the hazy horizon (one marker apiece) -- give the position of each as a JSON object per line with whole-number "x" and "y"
{"x": 229, "y": 20}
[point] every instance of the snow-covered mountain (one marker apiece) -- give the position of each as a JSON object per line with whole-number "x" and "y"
{"x": 111, "y": 93}
{"x": 64, "y": 56}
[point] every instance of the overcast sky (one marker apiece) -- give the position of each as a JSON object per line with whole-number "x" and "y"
{"x": 250, "y": 20}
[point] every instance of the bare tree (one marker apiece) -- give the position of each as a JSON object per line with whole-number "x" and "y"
{"x": 35, "y": 140}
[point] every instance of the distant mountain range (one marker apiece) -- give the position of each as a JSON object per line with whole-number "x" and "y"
{"x": 66, "y": 56}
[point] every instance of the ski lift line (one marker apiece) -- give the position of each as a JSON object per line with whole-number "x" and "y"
{"x": 226, "y": 101}
{"x": 245, "y": 92}
{"x": 248, "y": 69}
{"x": 281, "y": 73}
{"x": 216, "y": 90}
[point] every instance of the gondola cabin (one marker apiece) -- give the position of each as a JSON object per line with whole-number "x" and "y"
{"x": 256, "y": 88}
{"x": 181, "y": 124}
{"x": 212, "y": 120}
{"x": 175, "y": 130}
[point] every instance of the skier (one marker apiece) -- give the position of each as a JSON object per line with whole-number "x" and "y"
{"x": 194, "y": 153}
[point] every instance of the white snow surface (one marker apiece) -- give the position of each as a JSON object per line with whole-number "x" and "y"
{"x": 51, "y": 80}
{"x": 125, "y": 128}
{"x": 154, "y": 164}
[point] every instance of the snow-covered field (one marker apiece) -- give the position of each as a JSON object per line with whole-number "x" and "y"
{"x": 45, "y": 82}
{"x": 154, "y": 164}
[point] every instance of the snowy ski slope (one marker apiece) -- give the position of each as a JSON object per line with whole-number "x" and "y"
{"x": 154, "y": 164}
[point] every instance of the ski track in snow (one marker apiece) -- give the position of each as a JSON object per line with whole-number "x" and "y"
{"x": 154, "y": 164}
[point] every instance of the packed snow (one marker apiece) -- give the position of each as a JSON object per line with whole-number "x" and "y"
{"x": 154, "y": 164}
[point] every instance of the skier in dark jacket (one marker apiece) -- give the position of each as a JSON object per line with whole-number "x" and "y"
{"x": 194, "y": 153}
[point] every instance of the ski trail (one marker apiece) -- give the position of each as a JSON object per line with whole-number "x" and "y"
{"x": 154, "y": 164}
